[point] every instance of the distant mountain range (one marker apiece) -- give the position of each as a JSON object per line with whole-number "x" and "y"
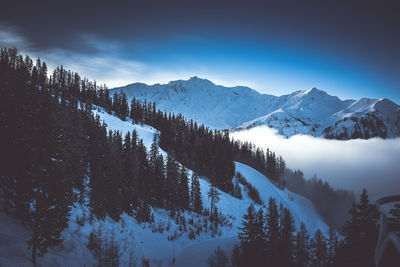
{"x": 312, "y": 112}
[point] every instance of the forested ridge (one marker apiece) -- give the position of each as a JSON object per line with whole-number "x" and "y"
{"x": 56, "y": 153}
{"x": 269, "y": 238}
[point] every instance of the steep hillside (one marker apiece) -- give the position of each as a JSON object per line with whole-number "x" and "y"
{"x": 312, "y": 112}
{"x": 145, "y": 240}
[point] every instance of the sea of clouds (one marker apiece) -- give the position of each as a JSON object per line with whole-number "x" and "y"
{"x": 353, "y": 164}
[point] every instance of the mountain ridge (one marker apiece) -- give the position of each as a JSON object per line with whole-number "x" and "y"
{"x": 311, "y": 112}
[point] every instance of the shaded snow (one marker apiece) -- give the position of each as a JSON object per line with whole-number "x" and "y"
{"x": 144, "y": 132}
{"x": 14, "y": 250}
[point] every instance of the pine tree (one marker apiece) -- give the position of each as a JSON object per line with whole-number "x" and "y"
{"x": 273, "y": 232}
{"x": 302, "y": 251}
{"x": 286, "y": 247}
{"x": 154, "y": 151}
{"x": 195, "y": 194}
{"x": 213, "y": 195}
{"x": 319, "y": 253}
{"x": 127, "y": 175}
{"x": 98, "y": 153}
{"x": 50, "y": 201}
{"x": 171, "y": 184}
{"x": 156, "y": 170}
{"x": 332, "y": 247}
{"x": 159, "y": 183}
{"x": 252, "y": 238}
{"x": 360, "y": 234}
{"x": 124, "y": 109}
{"x": 183, "y": 189}
{"x": 281, "y": 171}
{"x": 247, "y": 233}
{"x": 142, "y": 171}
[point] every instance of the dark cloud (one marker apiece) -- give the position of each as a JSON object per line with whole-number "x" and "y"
{"x": 363, "y": 33}
{"x": 353, "y": 23}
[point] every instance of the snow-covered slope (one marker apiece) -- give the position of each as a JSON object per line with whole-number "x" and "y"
{"x": 203, "y": 101}
{"x": 142, "y": 239}
{"x": 312, "y": 112}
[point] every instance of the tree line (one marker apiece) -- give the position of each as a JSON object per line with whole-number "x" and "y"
{"x": 57, "y": 153}
{"x": 269, "y": 238}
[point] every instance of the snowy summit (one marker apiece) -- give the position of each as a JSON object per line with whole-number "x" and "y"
{"x": 311, "y": 112}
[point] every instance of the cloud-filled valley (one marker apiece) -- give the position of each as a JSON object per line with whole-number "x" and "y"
{"x": 351, "y": 164}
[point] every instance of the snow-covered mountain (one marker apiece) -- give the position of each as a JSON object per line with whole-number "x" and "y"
{"x": 312, "y": 112}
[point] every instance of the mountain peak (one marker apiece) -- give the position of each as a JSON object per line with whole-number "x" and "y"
{"x": 306, "y": 112}
{"x": 195, "y": 78}
{"x": 314, "y": 91}
{"x": 198, "y": 80}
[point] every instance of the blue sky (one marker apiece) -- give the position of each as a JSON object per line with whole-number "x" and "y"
{"x": 347, "y": 48}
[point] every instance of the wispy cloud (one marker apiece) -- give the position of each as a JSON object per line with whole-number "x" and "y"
{"x": 352, "y": 164}
{"x": 106, "y": 64}
{"x": 11, "y": 37}
{"x": 105, "y": 68}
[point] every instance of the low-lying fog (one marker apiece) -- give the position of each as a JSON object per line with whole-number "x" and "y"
{"x": 352, "y": 165}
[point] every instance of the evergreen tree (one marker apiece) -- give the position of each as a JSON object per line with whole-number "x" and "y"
{"x": 171, "y": 184}
{"x": 128, "y": 175}
{"x": 98, "y": 152}
{"x": 360, "y": 234}
{"x": 156, "y": 166}
{"x": 286, "y": 248}
{"x": 273, "y": 232}
{"x": 332, "y": 247}
{"x": 114, "y": 196}
{"x": 252, "y": 238}
{"x": 183, "y": 189}
{"x": 302, "y": 251}
{"x": 143, "y": 172}
{"x": 154, "y": 151}
{"x": 195, "y": 194}
{"x": 159, "y": 183}
{"x": 319, "y": 253}
{"x": 50, "y": 197}
{"x": 213, "y": 195}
